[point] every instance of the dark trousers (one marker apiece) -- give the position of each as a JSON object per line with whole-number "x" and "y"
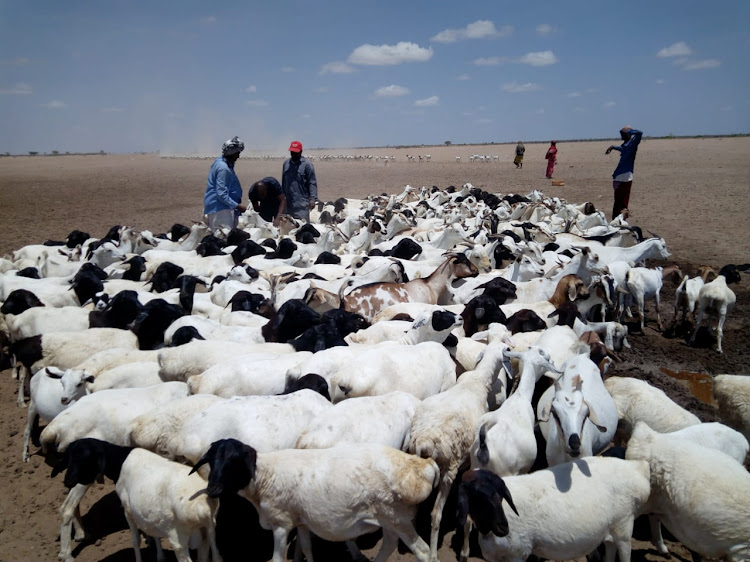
{"x": 622, "y": 196}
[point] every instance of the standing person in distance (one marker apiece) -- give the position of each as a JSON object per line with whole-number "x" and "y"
{"x": 622, "y": 177}
{"x": 222, "y": 202}
{"x": 299, "y": 183}
{"x": 518, "y": 160}
{"x": 268, "y": 199}
{"x": 551, "y": 157}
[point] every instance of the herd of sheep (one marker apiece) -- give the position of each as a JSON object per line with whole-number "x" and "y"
{"x": 339, "y": 373}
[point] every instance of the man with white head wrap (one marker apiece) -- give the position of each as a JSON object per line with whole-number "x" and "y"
{"x": 222, "y": 203}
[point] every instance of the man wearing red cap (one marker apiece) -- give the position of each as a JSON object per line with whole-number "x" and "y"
{"x": 299, "y": 183}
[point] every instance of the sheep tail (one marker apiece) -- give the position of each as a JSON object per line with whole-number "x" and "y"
{"x": 483, "y": 453}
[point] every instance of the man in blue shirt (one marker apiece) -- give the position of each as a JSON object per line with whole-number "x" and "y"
{"x": 299, "y": 183}
{"x": 222, "y": 203}
{"x": 623, "y": 174}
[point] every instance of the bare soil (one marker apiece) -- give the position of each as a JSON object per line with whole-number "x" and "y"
{"x": 693, "y": 192}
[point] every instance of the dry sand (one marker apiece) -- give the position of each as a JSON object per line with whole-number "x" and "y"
{"x": 693, "y": 192}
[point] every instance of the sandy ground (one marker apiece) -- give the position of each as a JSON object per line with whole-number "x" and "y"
{"x": 693, "y": 192}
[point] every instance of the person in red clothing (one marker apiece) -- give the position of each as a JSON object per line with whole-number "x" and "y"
{"x": 551, "y": 158}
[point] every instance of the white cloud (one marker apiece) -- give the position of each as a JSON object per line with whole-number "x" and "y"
{"x": 336, "y": 68}
{"x": 660, "y": 81}
{"x": 609, "y": 104}
{"x": 208, "y": 19}
{"x": 542, "y": 58}
{"x": 391, "y": 91}
{"x": 544, "y": 29}
{"x": 680, "y": 61}
{"x": 320, "y": 90}
{"x": 257, "y": 103}
{"x": 483, "y": 121}
{"x": 679, "y": 49}
{"x": 113, "y": 109}
{"x": 574, "y": 95}
{"x": 428, "y": 102}
{"x": 481, "y": 29}
{"x": 251, "y": 89}
{"x": 287, "y": 69}
{"x": 463, "y": 77}
{"x": 702, "y": 64}
{"x": 381, "y": 55}
{"x": 54, "y": 104}
{"x": 490, "y": 61}
{"x": 516, "y": 88}
{"x": 18, "y": 88}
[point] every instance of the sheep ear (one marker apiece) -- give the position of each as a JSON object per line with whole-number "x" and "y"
{"x": 418, "y": 323}
{"x": 555, "y": 312}
{"x": 504, "y": 492}
{"x": 594, "y": 419}
{"x": 56, "y": 374}
{"x": 62, "y": 465}
{"x": 546, "y": 411}
{"x": 571, "y": 292}
{"x": 89, "y": 379}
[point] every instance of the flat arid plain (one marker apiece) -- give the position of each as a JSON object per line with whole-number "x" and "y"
{"x": 695, "y": 193}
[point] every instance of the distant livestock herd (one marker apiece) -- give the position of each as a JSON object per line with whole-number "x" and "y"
{"x": 336, "y": 373}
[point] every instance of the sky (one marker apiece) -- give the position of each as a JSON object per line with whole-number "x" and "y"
{"x": 182, "y": 77}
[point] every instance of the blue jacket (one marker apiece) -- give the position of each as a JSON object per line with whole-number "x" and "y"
{"x": 627, "y": 152}
{"x": 223, "y": 189}
{"x": 299, "y": 183}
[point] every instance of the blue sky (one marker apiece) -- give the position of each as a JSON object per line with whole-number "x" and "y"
{"x": 184, "y": 76}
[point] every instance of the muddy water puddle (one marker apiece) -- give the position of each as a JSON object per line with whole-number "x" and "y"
{"x": 700, "y": 385}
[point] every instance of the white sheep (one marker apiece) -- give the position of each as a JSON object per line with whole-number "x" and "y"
{"x": 127, "y": 375}
{"x": 700, "y": 495}
{"x": 106, "y": 415}
{"x": 584, "y": 415}
{"x": 562, "y": 513}
{"x": 154, "y": 429}
{"x": 732, "y": 393}
{"x": 214, "y": 330}
{"x": 252, "y": 374}
{"x": 313, "y": 490}
{"x": 384, "y": 420}
{"x": 643, "y": 283}
{"x": 505, "y": 442}
{"x": 66, "y": 350}
{"x": 422, "y": 370}
{"x": 45, "y": 319}
{"x": 165, "y": 499}
{"x": 182, "y": 362}
{"x": 717, "y": 298}
{"x": 637, "y": 400}
{"x": 268, "y": 423}
{"x": 443, "y": 425}
{"x": 435, "y": 326}
{"x": 47, "y": 397}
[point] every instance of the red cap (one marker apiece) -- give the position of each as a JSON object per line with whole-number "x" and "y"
{"x": 296, "y": 146}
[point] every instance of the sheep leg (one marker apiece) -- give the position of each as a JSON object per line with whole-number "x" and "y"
{"x": 621, "y": 534}
{"x": 437, "y": 511}
{"x": 658, "y": 316}
{"x": 21, "y": 384}
{"x": 697, "y": 325}
{"x": 387, "y": 546}
{"x": 68, "y": 511}
{"x": 641, "y": 310}
{"x": 212, "y": 539}
{"x": 656, "y": 539}
{"x": 204, "y": 548}
{"x": 720, "y": 331}
{"x": 304, "y": 545}
{"x": 135, "y": 538}
{"x": 354, "y": 552}
{"x": 406, "y": 532}
{"x": 179, "y": 543}
{"x": 280, "y": 535}
{"x": 27, "y": 432}
{"x": 465, "y": 547}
